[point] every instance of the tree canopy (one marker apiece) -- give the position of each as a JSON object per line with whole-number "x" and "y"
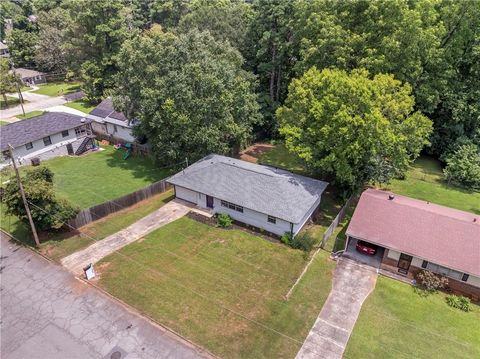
{"x": 353, "y": 127}
{"x": 189, "y": 93}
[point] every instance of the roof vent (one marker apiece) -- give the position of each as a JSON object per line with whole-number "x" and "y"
{"x": 474, "y": 220}
{"x": 82, "y": 120}
{"x": 391, "y": 196}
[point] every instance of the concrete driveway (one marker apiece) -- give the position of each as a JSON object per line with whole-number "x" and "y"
{"x": 170, "y": 212}
{"x": 352, "y": 283}
{"x": 48, "y": 314}
{"x": 38, "y": 103}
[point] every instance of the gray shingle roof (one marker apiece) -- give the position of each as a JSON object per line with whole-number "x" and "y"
{"x": 105, "y": 109}
{"x": 24, "y": 73}
{"x": 22, "y": 132}
{"x": 268, "y": 190}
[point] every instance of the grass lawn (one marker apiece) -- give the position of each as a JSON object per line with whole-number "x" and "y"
{"x": 185, "y": 274}
{"x": 397, "y": 323}
{"x": 425, "y": 181}
{"x": 278, "y": 156}
{"x": 11, "y": 101}
{"x": 101, "y": 176}
{"x": 80, "y": 105}
{"x": 3, "y": 123}
{"x": 30, "y": 115}
{"x": 57, "y": 246}
{"x": 58, "y": 88}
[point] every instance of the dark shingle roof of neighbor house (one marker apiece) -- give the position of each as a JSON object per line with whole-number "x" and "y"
{"x": 22, "y": 132}
{"x": 105, "y": 109}
{"x": 264, "y": 189}
{"x": 24, "y": 73}
{"x": 435, "y": 233}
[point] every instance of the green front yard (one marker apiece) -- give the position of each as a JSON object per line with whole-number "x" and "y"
{"x": 58, "y": 88}
{"x": 11, "y": 101}
{"x": 80, "y": 105}
{"x": 203, "y": 281}
{"x": 397, "y": 323}
{"x": 30, "y": 115}
{"x": 3, "y": 123}
{"x": 425, "y": 181}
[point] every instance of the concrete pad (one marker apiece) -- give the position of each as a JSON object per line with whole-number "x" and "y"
{"x": 328, "y": 338}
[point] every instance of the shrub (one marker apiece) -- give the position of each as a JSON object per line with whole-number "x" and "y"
{"x": 459, "y": 302}
{"x": 286, "y": 238}
{"x": 224, "y": 220}
{"x": 302, "y": 241}
{"x": 463, "y": 166}
{"x": 430, "y": 282}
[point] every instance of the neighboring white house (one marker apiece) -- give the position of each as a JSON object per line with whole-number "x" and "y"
{"x": 31, "y": 77}
{"x": 46, "y": 136}
{"x": 275, "y": 200}
{"x": 4, "y": 50}
{"x": 110, "y": 123}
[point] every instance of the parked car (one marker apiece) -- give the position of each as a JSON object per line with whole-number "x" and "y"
{"x": 366, "y": 248}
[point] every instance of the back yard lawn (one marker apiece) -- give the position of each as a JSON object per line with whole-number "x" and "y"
{"x": 186, "y": 274}
{"x": 101, "y": 176}
{"x": 397, "y": 323}
{"x": 58, "y": 88}
{"x": 80, "y": 105}
{"x": 425, "y": 181}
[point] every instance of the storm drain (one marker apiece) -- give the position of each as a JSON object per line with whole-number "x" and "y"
{"x": 116, "y": 353}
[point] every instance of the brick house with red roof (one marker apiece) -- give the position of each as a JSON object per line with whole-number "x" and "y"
{"x": 420, "y": 235}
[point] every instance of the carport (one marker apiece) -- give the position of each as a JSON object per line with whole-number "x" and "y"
{"x": 352, "y": 253}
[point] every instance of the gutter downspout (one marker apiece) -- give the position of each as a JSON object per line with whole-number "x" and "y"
{"x": 291, "y": 229}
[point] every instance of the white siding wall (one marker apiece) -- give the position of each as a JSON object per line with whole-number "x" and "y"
{"x": 417, "y": 262}
{"x": 393, "y": 254}
{"x": 123, "y": 133}
{"x": 187, "y": 195}
{"x": 475, "y": 281}
{"x": 253, "y": 218}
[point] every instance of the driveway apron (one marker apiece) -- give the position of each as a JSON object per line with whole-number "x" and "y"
{"x": 352, "y": 283}
{"x": 170, "y": 212}
{"x": 46, "y": 313}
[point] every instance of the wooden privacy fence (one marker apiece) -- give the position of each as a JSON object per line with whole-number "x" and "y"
{"x": 331, "y": 228}
{"x": 104, "y": 209}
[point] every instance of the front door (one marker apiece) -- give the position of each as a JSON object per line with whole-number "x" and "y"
{"x": 209, "y": 202}
{"x": 70, "y": 149}
{"x": 404, "y": 263}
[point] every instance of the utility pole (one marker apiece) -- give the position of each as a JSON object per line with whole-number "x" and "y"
{"x": 22, "y": 192}
{"x": 20, "y": 96}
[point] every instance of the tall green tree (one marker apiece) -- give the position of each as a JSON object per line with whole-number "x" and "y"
{"x": 226, "y": 20}
{"x": 188, "y": 92}
{"x": 99, "y": 27}
{"x": 7, "y": 80}
{"x": 51, "y": 52}
{"x": 271, "y": 34}
{"x": 21, "y": 45}
{"x": 350, "y": 126}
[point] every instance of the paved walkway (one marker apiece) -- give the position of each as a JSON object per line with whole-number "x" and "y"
{"x": 47, "y": 313}
{"x": 328, "y": 338}
{"x": 92, "y": 254}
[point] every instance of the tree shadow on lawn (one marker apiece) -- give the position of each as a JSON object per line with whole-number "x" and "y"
{"x": 138, "y": 166}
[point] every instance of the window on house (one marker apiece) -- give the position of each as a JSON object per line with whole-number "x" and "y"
{"x": 272, "y": 219}
{"x": 80, "y": 130}
{"x": 6, "y": 155}
{"x": 465, "y": 277}
{"x": 29, "y": 146}
{"x": 424, "y": 264}
{"x": 47, "y": 141}
{"x": 232, "y": 206}
{"x": 65, "y": 133}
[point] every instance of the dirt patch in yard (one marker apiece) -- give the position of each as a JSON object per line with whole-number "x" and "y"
{"x": 252, "y": 153}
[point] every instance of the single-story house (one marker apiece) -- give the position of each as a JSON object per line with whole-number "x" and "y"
{"x": 111, "y": 124}
{"x": 4, "y": 50}
{"x": 420, "y": 235}
{"x": 264, "y": 197}
{"x": 49, "y": 135}
{"x": 31, "y": 77}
